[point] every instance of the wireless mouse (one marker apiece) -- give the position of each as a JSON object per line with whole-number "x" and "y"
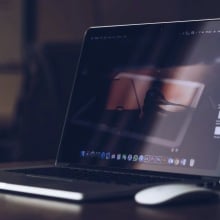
{"x": 174, "y": 193}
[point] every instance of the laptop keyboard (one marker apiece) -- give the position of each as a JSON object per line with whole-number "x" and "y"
{"x": 94, "y": 175}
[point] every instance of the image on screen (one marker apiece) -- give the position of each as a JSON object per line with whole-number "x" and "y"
{"x": 144, "y": 107}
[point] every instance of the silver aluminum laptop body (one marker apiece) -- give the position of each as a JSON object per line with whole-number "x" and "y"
{"x": 145, "y": 102}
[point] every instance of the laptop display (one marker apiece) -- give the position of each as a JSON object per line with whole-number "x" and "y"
{"x": 146, "y": 97}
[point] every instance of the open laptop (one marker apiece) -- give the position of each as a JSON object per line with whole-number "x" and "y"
{"x": 144, "y": 109}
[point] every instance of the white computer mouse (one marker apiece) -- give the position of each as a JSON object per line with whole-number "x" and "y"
{"x": 174, "y": 193}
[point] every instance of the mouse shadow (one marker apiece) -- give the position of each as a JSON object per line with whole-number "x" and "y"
{"x": 173, "y": 210}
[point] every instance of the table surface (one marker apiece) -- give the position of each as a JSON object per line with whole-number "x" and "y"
{"x": 21, "y": 207}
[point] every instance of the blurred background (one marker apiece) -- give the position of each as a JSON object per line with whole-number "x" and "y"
{"x": 40, "y": 42}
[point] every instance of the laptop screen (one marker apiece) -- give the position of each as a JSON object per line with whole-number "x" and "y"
{"x": 146, "y": 97}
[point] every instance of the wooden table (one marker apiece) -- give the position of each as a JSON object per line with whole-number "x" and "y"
{"x": 21, "y": 207}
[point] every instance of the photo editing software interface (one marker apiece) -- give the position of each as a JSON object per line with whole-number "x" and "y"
{"x": 147, "y": 97}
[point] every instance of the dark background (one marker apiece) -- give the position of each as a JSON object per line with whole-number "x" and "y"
{"x": 48, "y": 37}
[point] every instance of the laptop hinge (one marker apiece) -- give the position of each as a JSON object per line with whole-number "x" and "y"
{"x": 210, "y": 181}
{"x": 62, "y": 164}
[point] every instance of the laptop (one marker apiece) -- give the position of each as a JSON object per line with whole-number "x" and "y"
{"x": 144, "y": 109}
